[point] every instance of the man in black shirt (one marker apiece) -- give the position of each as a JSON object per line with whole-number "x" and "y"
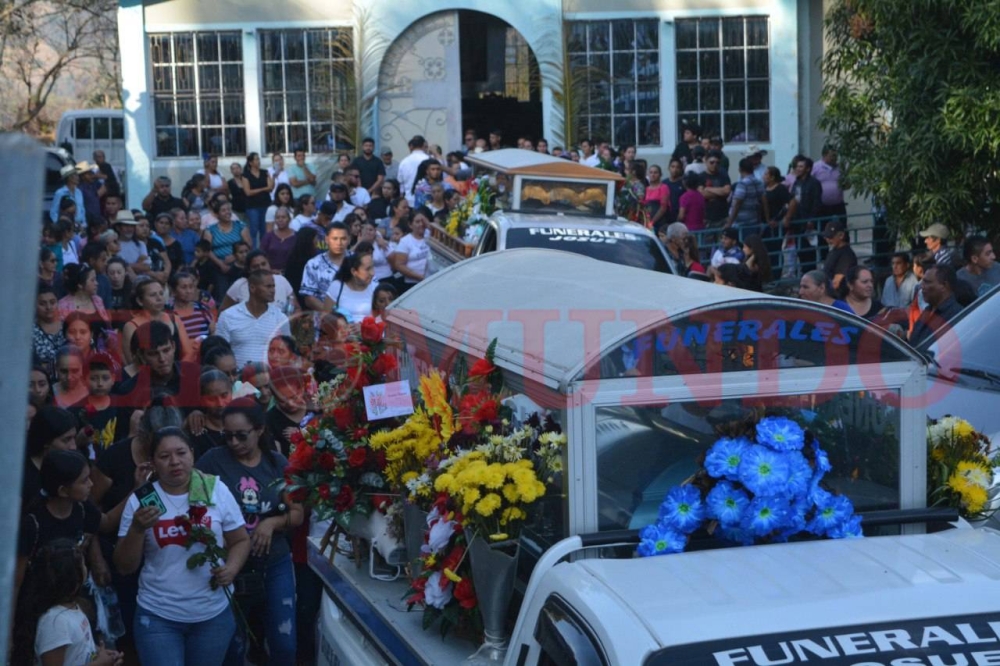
{"x": 841, "y": 257}
{"x": 938, "y": 287}
{"x": 807, "y": 197}
{"x": 160, "y": 200}
{"x": 716, "y": 186}
{"x": 370, "y": 168}
{"x": 690, "y": 137}
{"x": 160, "y": 373}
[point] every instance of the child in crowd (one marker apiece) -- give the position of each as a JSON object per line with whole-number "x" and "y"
{"x": 51, "y": 627}
{"x": 206, "y": 270}
{"x": 97, "y": 413}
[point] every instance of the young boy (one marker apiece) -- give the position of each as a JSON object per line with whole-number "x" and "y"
{"x": 204, "y": 267}
{"x": 98, "y": 416}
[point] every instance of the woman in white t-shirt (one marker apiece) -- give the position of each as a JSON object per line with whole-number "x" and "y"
{"x": 353, "y": 286}
{"x": 282, "y": 199}
{"x": 380, "y": 250}
{"x": 49, "y": 627}
{"x": 412, "y": 254}
{"x": 181, "y": 611}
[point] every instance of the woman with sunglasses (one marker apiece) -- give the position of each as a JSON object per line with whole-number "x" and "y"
{"x": 182, "y": 617}
{"x": 250, "y": 467}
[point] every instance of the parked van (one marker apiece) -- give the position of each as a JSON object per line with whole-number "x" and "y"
{"x": 82, "y": 131}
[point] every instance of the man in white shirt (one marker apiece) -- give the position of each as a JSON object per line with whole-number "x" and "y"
{"x": 250, "y": 326}
{"x": 408, "y": 167}
{"x": 358, "y": 195}
{"x": 588, "y": 156}
{"x": 338, "y": 197}
{"x": 278, "y": 173}
{"x": 320, "y": 270}
{"x": 284, "y": 295}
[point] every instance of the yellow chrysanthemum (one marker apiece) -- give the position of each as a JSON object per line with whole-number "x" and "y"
{"x": 488, "y": 505}
{"x": 975, "y": 473}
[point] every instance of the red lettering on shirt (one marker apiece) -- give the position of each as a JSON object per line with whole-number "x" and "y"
{"x": 168, "y": 533}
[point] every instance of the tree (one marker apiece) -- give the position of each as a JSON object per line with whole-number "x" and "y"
{"x": 42, "y": 42}
{"x": 912, "y": 103}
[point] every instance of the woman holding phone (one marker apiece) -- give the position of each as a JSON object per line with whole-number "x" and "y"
{"x": 181, "y": 611}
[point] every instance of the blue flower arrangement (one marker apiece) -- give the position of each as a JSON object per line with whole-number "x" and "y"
{"x": 760, "y": 490}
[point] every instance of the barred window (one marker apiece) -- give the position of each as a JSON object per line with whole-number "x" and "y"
{"x": 308, "y": 90}
{"x": 723, "y": 77}
{"x": 198, "y": 93}
{"x": 615, "y": 80}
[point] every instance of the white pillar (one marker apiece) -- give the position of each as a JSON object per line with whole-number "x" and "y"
{"x": 140, "y": 143}
{"x": 252, "y": 94}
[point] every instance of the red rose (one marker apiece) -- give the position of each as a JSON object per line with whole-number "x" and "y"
{"x": 343, "y": 416}
{"x": 197, "y": 512}
{"x": 381, "y": 502}
{"x": 302, "y": 457}
{"x": 298, "y": 495}
{"x": 359, "y": 434}
{"x": 327, "y": 461}
{"x": 481, "y": 368}
{"x": 344, "y": 500}
{"x": 323, "y": 491}
{"x": 357, "y": 377}
{"x": 465, "y": 594}
{"x": 357, "y": 457}
{"x": 297, "y": 439}
{"x": 371, "y": 330}
{"x": 481, "y": 407}
{"x": 385, "y": 364}
{"x": 182, "y": 521}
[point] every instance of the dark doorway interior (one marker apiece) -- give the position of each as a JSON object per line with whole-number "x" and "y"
{"x": 501, "y": 87}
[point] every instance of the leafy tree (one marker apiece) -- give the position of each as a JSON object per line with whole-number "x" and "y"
{"x": 912, "y": 102}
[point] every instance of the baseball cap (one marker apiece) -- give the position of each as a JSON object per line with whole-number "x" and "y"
{"x": 387, "y": 151}
{"x": 833, "y": 228}
{"x": 328, "y": 209}
{"x": 731, "y": 233}
{"x": 338, "y": 186}
{"x": 937, "y": 230}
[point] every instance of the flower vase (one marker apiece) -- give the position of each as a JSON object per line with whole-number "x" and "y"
{"x": 494, "y": 569}
{"x": 414, "y": 531}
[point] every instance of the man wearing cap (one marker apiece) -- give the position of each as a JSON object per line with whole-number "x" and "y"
{"x": 71, "y": 189}
{"x": 92, "y": 190}
{"x": 981, "y": 269}
{"x": 338, "y": 197}
{"x": 131, "y": 250}
{"x": 936, "y": 239}
{"x": 728, "y": 251}
{"x": 371, "y": 170}
{"x": 301, "y": 177}
{"x": 716, "y": 188}
{"x": 755, "y": 155}
{"x": 408, "y": 167}
{"x": 160, "y": 200}
{"x": 841, "y": 257}
{"x": 391, "y": 166}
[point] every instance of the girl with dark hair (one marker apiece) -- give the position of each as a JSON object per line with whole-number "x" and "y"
{"x": 757, "y": 261}
{"x": 63, "y": 511}
{"x": 291, "y": 405}
{"x": 251, "y": 468}
{"x": 815, "y": 286}
{"x": 283, "y": 351}
{"x": 47, "y": 335}
{"x": 48, "y": 273}
{"x": 305, "y": 212}
{"x": 193, "y": 192}
{"x": 216, "y": 394}
{"x": 121, "y": 287}
{"x": 49, "y": 626}
{"x": 353, "y": 287}
{"x": 53, "y": 428}
{"x": 378, "y": 207}
{"x": 412, "y": 256}
{"x": 198, "y": 321}
{"x": 380, "y": 250}
{"x": 172, "y": 247}
{"x": 81, "y": 332}
{"x": 858, "y": 291}
{"x": 257, "y": 185}
{"x": 150, "y": 303}
{"x": 181, "y": 610}
{"x": 304, "y": 250}
{"x": 384, "y": 295}
{"x": 81, "y": 290}
{"x": 39, "y": 387}
{"x": 282, "y": 199}
{"x": 399, "y": 214}
{"x": 70, "y": 387}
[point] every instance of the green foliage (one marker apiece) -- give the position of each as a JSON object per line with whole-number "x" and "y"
{"x": 912, "y": 102}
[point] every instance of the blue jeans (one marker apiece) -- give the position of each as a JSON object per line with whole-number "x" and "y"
{"x": 277, "y": 615}
{"x": 162, "y": 642}
{"x": 256, "y": 225}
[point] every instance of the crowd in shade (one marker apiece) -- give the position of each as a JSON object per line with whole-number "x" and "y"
{"x": 177, "y": 348}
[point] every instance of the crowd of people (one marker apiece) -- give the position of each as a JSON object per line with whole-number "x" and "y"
{"x": 176, "y": 348}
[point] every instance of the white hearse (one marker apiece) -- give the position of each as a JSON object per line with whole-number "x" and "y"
{"x": 639, "y": 368}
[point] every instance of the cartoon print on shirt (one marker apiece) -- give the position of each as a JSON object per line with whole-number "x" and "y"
{"x": 250, "y": 501}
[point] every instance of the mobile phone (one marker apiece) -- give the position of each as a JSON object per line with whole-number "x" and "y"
{"x": 148, "y": 496}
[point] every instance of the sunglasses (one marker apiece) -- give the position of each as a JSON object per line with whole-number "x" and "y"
{"x": 238, "y": 435}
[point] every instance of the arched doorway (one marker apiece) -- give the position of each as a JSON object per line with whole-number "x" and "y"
{"x": 453, "y": 70}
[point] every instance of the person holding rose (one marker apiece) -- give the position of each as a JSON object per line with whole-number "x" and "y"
{"x": 183, "y": 615}
{"x": 250, "y": 467}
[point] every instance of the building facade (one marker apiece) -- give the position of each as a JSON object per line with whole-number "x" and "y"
{"x": 228, "y": 78}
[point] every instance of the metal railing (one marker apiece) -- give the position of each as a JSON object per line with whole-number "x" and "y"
{"x": 871, "y": 239}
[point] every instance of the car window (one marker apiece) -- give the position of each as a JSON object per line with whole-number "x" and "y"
{"x": 82, "y": 129}
{"x": 117, "y": 128}
{"x": 102, "y": 128}
{"x": 619, "y": 247}
{"x": 970, "y": 342}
